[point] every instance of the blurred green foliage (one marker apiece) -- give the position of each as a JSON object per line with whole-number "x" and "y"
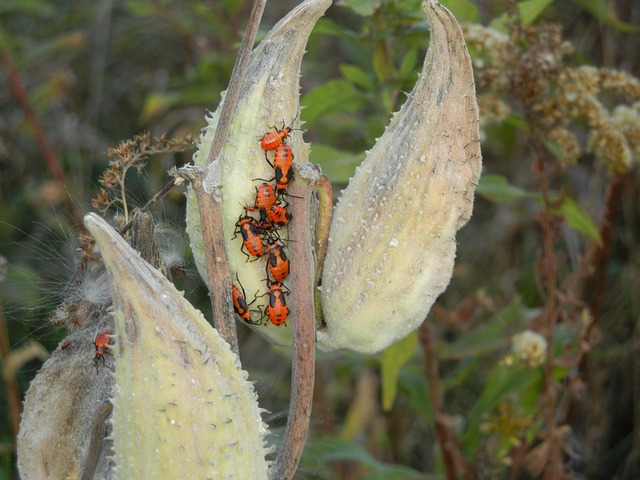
{"x": 99, "y": 73}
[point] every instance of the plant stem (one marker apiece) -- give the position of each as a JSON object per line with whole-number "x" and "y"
{"x": 451, "y": 455}
{"x": 13, "y": 395}
{"x": 548, "y": 267}
{"x": 218, "y": 271}
{"x": 302, "y": 313}
{"x": 238, "y": 73}
{"x": 51, "y": 160}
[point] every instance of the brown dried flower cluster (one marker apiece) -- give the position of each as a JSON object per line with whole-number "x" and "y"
{"x": 133, "y": 153}
{"x": 529, "y": 65}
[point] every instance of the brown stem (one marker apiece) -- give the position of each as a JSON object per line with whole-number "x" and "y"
{"x": 218, "y": 271}
{"x": 548, "y": 266}
{"x": 238, "y": 73}
{"x": 451, "y": 455}
{"x": 303, "y": 333}
{"x": 592, "y": 283}
{"x": 51, "y": 160}
{"x": 13, "y": 395}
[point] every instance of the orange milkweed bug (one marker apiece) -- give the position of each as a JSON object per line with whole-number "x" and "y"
{"x": 272, "y": 140}
{"x": 265, "y": 197}
{"x": 240, "y": 304}
{"x": 278, "y": 215}
{"x": 248, "y": 228}
{"x": 102, "y": 342}
{"x": 277, "y": 309}
{"x": 277, "y": 263}
{"x": 283, "y": 167}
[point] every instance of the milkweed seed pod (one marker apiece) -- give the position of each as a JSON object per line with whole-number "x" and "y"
{"x": 392, "y": 243}
{"x": 269, "y": 96}
{"x": 181, "y": 401}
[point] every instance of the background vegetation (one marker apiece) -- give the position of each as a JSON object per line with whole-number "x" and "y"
{"x": 552, "y": 246}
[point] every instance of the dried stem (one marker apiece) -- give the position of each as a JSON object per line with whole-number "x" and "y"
{"x": 13, "y": 394}
{"x": 549, "y": 272}
{"x": 451, "y": 455}
{"x": 303, "y": 334}
{"x": 51, "y": 160}
{"x": 238, "y": 73}
{"x": 593, "y": 278}
{"x": 218, "y": 271}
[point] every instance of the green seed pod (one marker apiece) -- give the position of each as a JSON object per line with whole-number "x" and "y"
{"x": 392, "y": 243}
{"x": 182, "y": 403}
{"x": 269, "y": 96}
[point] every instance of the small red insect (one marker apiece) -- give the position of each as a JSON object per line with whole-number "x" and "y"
{"x": 277, "y": 309}
{"x": 102, "y": 342}
{"x": 265, "y": 197}
{"x": 277, "y": 263}
{"x": 65, "y": 344}
{"x": 248, "y": 227}
{"x": 240, "y": 303}
{"x": 272, "y": 140}
{"x": 283, "y": 167}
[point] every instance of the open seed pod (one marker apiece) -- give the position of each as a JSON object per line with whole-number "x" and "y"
{"x": 269, "y": 96}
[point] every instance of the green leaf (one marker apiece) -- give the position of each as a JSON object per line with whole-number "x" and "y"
{"x": 578, "y": 219}
{"x": 326, "y": 26}
{"x": 158, "y": 103}
{"x": 529, "y": 10}
{"x": 357, "y": 76}
{"x": 392, "y": 360}
{"x": 489, "y": 336}
{"x": 140, "y": 9}
{"x": 31, "y": 7}
{"x": 330, "y": 449}
{"x": 409, "y": 63}
{"x": 602, "y": 11}
{"x": 502, "y": 382}
{"x": 464, "y": 10}
{"x": 414, "y": 386}
{"x": 381, "y": 62}
{"x": 337, "y": 165}
{"x": 496, "y": 188}
{"x": 332, "y": 96}
{"x": 365, "y": 8}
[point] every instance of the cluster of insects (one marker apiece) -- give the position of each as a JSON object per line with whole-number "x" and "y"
{"x": 260, "y": 235}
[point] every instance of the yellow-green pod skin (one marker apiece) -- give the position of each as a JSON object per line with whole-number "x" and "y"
{"x": 269, "y": 96}
{"x": 392, "y": 243}
{"x": 182, "y": 405}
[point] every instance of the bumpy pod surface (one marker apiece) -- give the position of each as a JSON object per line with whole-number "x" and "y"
{"x": 269, "y": 96}
{"x": 392, "y": 243}
{"x": 182, "y": 404}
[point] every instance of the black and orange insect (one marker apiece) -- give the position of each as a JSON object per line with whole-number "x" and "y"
{"x": 248, "y": 227}
{"x": 277, "y": 310}
{"x": 240, "y": 304}
{"x": 102, "y": 342}
{"x": 272, "y": 140}
{"x": 277, "y": 263}
{"x": 276, "y": 215}
{"x": 265, "y": 197}
{"x": 283, "y": 167}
